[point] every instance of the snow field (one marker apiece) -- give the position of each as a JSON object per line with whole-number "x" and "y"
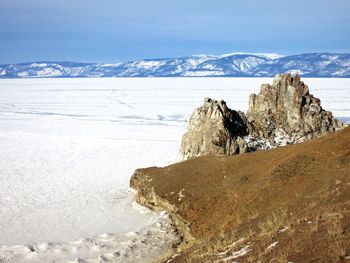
{"x": 69, "y": 146}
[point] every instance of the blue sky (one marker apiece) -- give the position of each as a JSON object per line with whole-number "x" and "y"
{"x": 121, "y": 30}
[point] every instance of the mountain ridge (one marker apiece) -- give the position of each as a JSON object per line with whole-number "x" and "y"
{"x": 227, "y": 65}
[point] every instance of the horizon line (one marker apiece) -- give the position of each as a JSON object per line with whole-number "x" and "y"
{"x": 271, "y": 55}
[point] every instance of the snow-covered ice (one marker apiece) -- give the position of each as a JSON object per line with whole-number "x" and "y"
{"x": 69, "y": 146}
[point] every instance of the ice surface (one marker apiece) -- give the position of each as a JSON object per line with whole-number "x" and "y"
{"x": 69, "y": 146}
{"x": 145, "y": 245}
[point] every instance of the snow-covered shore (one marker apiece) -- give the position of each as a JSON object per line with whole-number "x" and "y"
{"x": 149, "y": 243}
{"x": 69, "y": 146}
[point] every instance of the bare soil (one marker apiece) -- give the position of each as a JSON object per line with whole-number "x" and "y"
{"x": 290, "y": 204}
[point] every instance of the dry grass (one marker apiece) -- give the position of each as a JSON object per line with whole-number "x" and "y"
{"x": 304, "y": 187}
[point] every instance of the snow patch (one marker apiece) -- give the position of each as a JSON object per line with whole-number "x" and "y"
{"x": 282, "y": 230}
{"x": 341, "y": 72}
{"x": 240, "y": 253}
{"x": 281, "y": 138}
{"x": 148, "y": 64}
{"x": 272, "y": 245}
{"x": 257, "y": 144}
{"x": 110, "y": 65}
{"x": 203, "y": 73}
{"x": 208, "y": 66}
{"x": 181, "y": 195}
{"x": 38, "y": 65}
{"x": 267, "y": 55}
{"x": 23, "y": 74}
{"x": 49, "y": 72}
{"x": 229, "y": 248}
{"x": 199, "y": 59}
{"x": 296, "y": 71}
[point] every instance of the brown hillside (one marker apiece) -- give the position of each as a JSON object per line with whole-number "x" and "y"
{"x": 290, "y": 204}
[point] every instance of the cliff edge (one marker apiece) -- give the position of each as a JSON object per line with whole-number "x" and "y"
{"x": 289, "y": 204}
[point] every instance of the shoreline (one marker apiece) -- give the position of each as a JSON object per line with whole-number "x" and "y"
{"x": 146, "y": 196}
{"x": 155, "y": 241}
{"x": 286, "y": 203}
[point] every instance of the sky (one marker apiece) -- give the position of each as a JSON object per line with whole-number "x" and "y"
{"x": 123, "y": 30}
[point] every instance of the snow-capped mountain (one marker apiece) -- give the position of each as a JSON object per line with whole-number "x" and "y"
{"x": 307, "y": 65}
{"x": 228, "y": 65}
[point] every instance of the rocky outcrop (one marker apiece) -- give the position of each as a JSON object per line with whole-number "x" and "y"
{"x": 282, "y": 205}
{"x": 214, "y": 129}
{"x": 287, "y": 204}
{"x": 282, "y": 113}
{"x": 285, "y": 112}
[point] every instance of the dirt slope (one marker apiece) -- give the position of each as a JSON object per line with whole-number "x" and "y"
{"x": 290, "y": 204}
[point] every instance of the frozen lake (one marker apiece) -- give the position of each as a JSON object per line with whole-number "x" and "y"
{"x": 69, "y": 146}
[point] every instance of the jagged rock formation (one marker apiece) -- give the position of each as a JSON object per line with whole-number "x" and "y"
{"x": 282, "y": 113}
{"x": 214, "y": 129}
{"x": 286, "y": 112}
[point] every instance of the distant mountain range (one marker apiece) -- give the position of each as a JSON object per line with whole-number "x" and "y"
{"x": 229, "y": 65}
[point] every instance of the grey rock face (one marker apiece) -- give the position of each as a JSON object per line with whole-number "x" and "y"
{"x": 214, "y": 129}
{"x": 282, "y": 113}
{"x": 285, "y": 112}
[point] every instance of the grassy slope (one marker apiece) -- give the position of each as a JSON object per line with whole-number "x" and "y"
{"x": 304, "y": 189}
